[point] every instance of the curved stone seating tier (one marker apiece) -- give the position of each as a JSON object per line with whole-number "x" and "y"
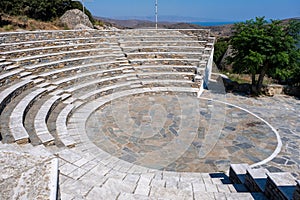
{"x": 162, "y": 42}
{"x": 151, "y": 55}
{"x": 41, "y": 118}
{"x": 71, "y": 62}
{"x": 23, "y": 53}
{"x": 7, "y": 94}
{"x": 15, "y": 46}
{"x": 61, "y": 55}
{"x": 164, "y": 61}
{"x": 162, "y": 48}
{"x": 53, "y": 35}
{"x": 68, "y": 71}
{"x": 9, "y": 76}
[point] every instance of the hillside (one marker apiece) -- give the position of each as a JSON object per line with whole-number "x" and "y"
{"x": 224, "y": 30}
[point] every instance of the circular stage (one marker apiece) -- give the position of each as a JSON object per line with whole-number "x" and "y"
{"x": 179, "y": 132}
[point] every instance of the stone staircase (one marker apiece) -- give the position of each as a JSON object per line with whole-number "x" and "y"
{"x": 280, "y": 185}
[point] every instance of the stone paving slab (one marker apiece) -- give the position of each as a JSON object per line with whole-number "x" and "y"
{"x": 283, "y": 113}
{"x": 30, "y": 177}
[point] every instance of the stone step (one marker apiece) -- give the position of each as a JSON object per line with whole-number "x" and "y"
{"x": 9, "y": 93}
{"x": 297, "y": 191}
{"x": 5, "y": 77}
{"x": 255, "y": 179}
{"x": 5, "y": 64}
{"x": 61, "y": 126}
{"x": 79, "y": 60}
{"x": 280, "y": 186}
{"x": 237, "y": 173}
{"x": 24, "y": 74}
{"x": 43, "y": 51}
{"x": 53, "y": 42}
{"x": 40, "y": 121}
{"x": 67, "y": 71}
{"x": 12, "y": 67}
{"x": 18, "y": 114}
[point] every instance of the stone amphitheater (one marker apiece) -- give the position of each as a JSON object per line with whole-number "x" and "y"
{"x": 126, "y": 114}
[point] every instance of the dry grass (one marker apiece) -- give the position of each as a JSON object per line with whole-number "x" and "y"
{"x": 246, "y": 78}
{"x": 15, "y": 23}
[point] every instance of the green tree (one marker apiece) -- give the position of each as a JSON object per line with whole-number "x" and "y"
{"x": 44, "y": 10}
{"x": 265, "y": 49}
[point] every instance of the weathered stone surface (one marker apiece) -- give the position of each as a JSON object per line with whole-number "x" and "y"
{"x": 256, "y": 179}
{"x": 76, "y": 19}
{"x": 27, "y": 177}
{"x": 280, "y": 186}
{"x": 297, "y": 191}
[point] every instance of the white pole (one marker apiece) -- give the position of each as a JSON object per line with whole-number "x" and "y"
{"x": 82, "y": 6}
{"x": 156, "y": 12}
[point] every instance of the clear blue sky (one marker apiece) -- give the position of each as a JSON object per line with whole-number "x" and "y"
{"x": 220, "y": 10}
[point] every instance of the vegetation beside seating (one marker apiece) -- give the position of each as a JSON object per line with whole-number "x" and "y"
{"x": 261, "y": 48}
{"x": 36, "y": 14}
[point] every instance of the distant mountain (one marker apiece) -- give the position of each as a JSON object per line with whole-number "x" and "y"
{"x": 167, "y": 18}
{"x": 222, "y": 30}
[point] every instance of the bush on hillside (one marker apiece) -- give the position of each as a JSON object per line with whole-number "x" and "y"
{"x": 43, "y": 10}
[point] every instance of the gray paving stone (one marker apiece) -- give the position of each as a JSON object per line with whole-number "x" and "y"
{"x": 102, "y": 193}
{"x": 204, "y": 196}
{"x": 211, "y": 188}
{"x": 164, "y": 193}
{"x": 67, "y": 168}
{"x": 239, "y": 196}
{"x": 142, "y": 189}
{"x": 126, "y": 196}
{"x": 198, "y": 187}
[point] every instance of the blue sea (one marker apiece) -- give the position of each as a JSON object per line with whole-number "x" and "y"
{"x": 213, "y": 23}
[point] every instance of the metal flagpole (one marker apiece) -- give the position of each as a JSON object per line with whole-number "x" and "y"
{"x": 156, "y": 12}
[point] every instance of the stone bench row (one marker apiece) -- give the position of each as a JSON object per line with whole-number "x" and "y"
{"x": 12, "y": 91}
{"x": 162, "y": 48}
{"x": 46, "y": 60}
{"x": 26, "y": 52}
{"x": 165, "y": 61}
{"x": 49, "y": 44}
{"x": 153, "y": 55}
{"x": 186, "y": 43}
{"x": 17, "y": 117}
{"x": 114, "y": 75}
{"x": 46, "y": 35}
{"x": 41, "y": 118}
{"x": 8, "y": 76}
{"x": 16, "y": 46}
{"x": 13, "y": 37}
{"x": 73, "y": 61}
{"x": 281, "y": 186}
{"x": 28, "y": 61}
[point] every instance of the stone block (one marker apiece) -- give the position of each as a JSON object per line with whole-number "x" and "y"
{"x": 280, "y": 186}
{"x": 256, "y": 179}
{"x": 296, "y": 195}
{"x": 237, "y": 173}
